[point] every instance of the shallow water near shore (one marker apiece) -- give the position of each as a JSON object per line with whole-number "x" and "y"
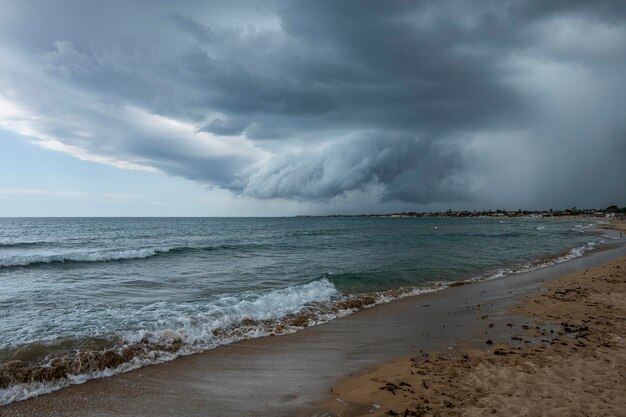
{"x": 83, "y": 298}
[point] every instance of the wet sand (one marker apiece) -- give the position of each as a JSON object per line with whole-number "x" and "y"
{"x": 291, "y": 375}
{"x": 620, "y": 226}
{"x": 568, "y": 359}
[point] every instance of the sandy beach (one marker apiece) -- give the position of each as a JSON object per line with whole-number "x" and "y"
{"x": 312, "y": 208}
{"x": 569, "y": 359}
{"x": 291, "y": 375}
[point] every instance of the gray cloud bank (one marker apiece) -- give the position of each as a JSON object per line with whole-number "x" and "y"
{"x": 408, "y": 170}
{"x": 514, "y": 103}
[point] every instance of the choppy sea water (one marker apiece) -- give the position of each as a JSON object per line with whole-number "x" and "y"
{"x": 89, "y": 297}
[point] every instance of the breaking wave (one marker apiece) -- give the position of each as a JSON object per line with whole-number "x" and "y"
{"x": 229, "y": 320}
{"x": 80, "y": 256}
{"x": 541, "y": 263}
{"x": 108, "y": 255}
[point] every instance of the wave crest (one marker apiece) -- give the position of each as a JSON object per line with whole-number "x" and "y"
{"x": 275, "y": 313}
{"x": 228, "y": 320}
{"x": 19, "y": 244}
{"x": 93, "y": 256}
{"x": 104, "y": 255}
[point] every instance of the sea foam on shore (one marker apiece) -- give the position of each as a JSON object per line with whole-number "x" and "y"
{"x": 231, "y": 320}
{"x": 90, "y": 298}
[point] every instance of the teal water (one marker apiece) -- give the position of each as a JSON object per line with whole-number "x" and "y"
{"x": 71, "y": 285}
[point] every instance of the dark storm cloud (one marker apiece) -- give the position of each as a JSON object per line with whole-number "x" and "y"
{"x": 423, "y": 101}
{"x": 409, "y": 169}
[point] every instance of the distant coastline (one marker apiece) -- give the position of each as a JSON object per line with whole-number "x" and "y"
{"x": 611, "y": 212}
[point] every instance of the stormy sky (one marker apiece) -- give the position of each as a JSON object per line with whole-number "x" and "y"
{"x": 305, "y": 107}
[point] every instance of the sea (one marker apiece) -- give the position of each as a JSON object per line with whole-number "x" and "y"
{"x": 84, "y": 298}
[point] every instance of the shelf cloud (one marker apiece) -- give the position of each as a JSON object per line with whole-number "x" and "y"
{"x": 417, "y": 102}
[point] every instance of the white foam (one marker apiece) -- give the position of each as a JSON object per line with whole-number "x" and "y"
{"x": 503, "y": 273}
{"x": 196, "y": 331}
{"x": 80, "y": 256}
{"x": 575, "y": 253}
{"x": 30, "y": 390}
{"x": 572, "y": 254}
{"x": 582, "y": 228}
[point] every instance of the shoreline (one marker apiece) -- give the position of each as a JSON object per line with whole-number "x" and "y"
{"x": 494, "y": 215}
{"x": 564, "y": 355}
{"x": 295, "y": 400}
{"x": 129, "y": 357}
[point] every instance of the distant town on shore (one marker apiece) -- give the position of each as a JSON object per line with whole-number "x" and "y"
{"x": 612, "y": 211}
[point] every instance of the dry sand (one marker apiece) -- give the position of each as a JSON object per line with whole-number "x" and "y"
{"x": 569, "y": 360}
